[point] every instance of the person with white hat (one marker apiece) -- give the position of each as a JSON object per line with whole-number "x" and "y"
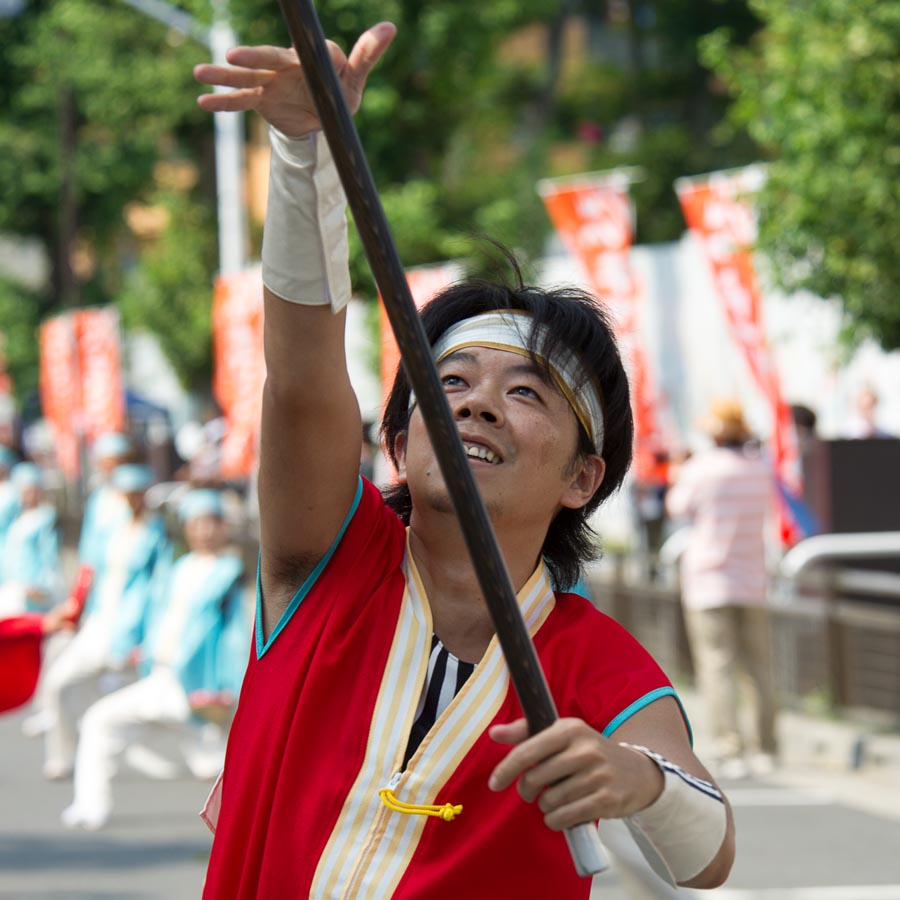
{"x": 137, "y": 560}
{"x": 9, "y": 496}
{"x": 726, "y": 493}
{"x": 30, "y": 550}
{"x": 105, "y": 508}
{"x": 195, "y": 648}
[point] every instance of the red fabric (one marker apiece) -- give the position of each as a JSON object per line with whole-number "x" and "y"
{"x": 20, "y": 659}
{"x": 595, "y": 670}
{"x": 299, "y": 738}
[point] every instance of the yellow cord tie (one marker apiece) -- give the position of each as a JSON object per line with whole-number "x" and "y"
{"x": 448, "y": 812}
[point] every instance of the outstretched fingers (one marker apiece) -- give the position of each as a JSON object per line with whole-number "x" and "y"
{"x": 232, "y": 76}
{"x": 249, "y": 70}
{"x": 265, "y": 56}
{"x": 233, "y": 101}
{"x": 366, "y": 52}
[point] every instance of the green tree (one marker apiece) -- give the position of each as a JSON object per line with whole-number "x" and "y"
{"x": 457, "y": 126}
{"x": 19, "y": 316}
{"x": 170, "y": 292}
{"x": 820, "y": 91}
{"x": 91, "y": 96}
{"x": 653, "y": 104}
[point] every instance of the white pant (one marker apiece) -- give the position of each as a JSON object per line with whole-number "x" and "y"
{"x": 72, "y": 683}
{"x": 13, "y": 599}
{"x": 120, "y": 721}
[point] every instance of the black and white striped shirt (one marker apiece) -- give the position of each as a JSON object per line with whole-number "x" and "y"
{"x": 446, "y": 676}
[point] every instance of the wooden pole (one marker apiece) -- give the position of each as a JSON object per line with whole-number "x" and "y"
{"x": 490, "y": 568}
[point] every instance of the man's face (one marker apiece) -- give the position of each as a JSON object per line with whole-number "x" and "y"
{"x": 520, "y": 435}
{"x": 204, "y": 534}
{"x": 135, "y": 501}
{"x": 107, "y": 464}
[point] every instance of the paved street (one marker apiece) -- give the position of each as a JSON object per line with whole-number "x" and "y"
{"x": 155, "y": 846}
{"x": 807, "y": 834}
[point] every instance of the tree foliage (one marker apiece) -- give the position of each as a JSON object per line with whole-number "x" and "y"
{"x": 91, "y": 95}
{"x": 434, "y": 117}
{"x": 170, "y": 293}
{"x": 472, "y": 105}
{"x": 19, "y": 318}
{"x": 820, "y": 92}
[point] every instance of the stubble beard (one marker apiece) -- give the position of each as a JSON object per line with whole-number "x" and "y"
{"x": 438, "y": 500}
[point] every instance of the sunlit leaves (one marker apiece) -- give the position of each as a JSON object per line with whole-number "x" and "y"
{"x": 820, "y": 91}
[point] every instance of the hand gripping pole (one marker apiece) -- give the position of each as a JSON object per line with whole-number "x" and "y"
{"x": 518, "y": 650}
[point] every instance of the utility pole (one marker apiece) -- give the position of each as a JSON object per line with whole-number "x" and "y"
{"x": 229, "y": 129}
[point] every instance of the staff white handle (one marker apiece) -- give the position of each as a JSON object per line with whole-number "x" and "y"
{"x": 587, "y": 850}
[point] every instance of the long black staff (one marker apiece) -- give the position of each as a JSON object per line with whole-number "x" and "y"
{"x": 521, "y": 658}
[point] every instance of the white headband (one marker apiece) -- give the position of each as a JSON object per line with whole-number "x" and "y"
{"x": 509, "y": 330}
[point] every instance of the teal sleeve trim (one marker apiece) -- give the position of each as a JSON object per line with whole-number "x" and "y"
{"x": 646, "y": 700}
{"x": 304, "y": 589}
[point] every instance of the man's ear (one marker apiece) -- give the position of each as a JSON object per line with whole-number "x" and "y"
{"x": 400, "y": 456}
{"x": 584, "y": 483}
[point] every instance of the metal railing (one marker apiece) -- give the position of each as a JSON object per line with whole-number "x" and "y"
{"x": 836, "y": 626}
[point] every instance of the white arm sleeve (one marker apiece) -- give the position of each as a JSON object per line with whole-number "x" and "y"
{"x": 681, "y": 832}
{"x": 304, "y": 252}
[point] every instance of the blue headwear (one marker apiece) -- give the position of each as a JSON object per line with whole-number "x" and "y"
{"x": 26, "y": 474}
{"x": 112, "y": 444}
{"x": 7, "y": 457}
{"x": 202, "y": 502}
{"x": 132, "y": 478}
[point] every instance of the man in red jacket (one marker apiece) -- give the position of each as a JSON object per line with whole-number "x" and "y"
{"x": 370, "y": 754}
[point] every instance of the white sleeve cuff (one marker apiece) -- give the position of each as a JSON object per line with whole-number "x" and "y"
{"x": 305, "y": 253}
{"x": 681, "y": 832}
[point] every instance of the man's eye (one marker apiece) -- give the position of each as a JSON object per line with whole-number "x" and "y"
{"x": 524, "y": 391}
{"x": 451, "y": 380}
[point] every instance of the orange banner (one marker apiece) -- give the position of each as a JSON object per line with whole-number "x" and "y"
{"x": 80, "y": 380}
{"x": 593, "y": 218}
{"x": 719, "y": 213}
{"x": 100, "y": 369}
{"x": 60, "y": 398}
{"x": 239, "y": 366}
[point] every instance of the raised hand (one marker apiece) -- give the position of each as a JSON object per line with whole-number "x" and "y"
{"x": 271, "y": 81}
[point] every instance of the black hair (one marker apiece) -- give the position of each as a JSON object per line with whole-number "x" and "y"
{"x": 575, "y": 320}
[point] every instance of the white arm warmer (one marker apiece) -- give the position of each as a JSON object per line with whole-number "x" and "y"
{"x": 682, "y": 830}
{"x": 304, "y": 252}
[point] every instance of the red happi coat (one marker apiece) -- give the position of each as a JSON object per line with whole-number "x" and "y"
{"x": 323, "y": 721}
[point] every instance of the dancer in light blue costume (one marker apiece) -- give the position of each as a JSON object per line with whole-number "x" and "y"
{"x": 138, "y": 560}
{"x": 9, "y": 496}
{"x": 30, "y": 557}
{"x": 106, "y": 508}
{"x": 197, "y": 642}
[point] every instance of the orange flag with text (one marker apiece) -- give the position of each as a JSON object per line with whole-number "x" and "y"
{"x": 239, "y": 367}
{"x": 718, "y": 211}
{"x": 593, "y": 217}
{"x": 81, "y": 386}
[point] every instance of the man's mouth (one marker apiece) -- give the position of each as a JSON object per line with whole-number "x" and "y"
{"x": 477, "y": 451}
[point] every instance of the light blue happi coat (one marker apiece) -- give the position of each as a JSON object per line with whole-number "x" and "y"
{"x": 215, "y": 641}
{"x": 31, "y": 554}
{"x": 106, "y": 509}
{"x": 9, "y": 509}
{"x": 147, "y": 568}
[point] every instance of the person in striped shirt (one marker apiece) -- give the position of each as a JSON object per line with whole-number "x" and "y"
{"x": 377, "y": 739}
{"x": 726, "y": 494}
